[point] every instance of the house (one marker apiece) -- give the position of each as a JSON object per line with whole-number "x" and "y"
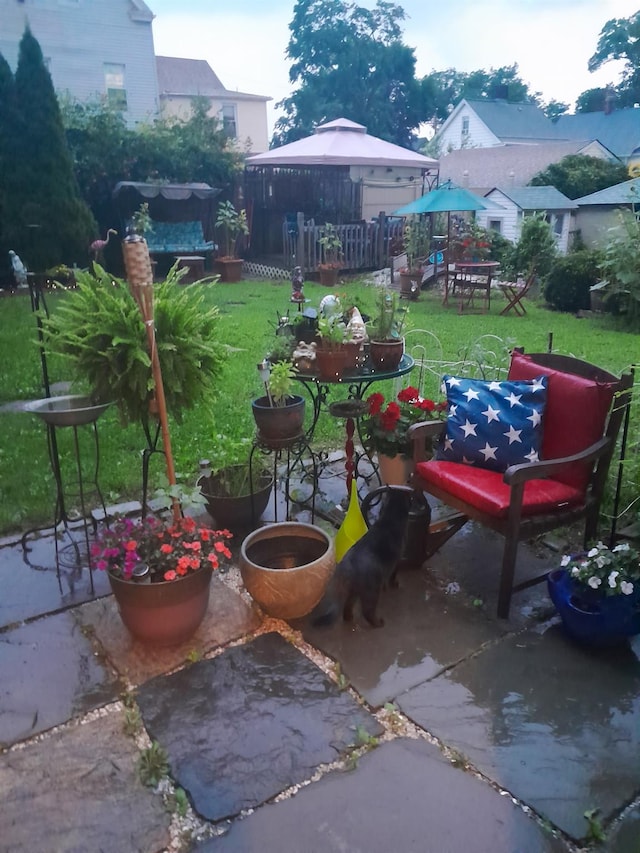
{"x": 481, "y": 169}
{"x": 243, "y": 116}
{"x": 91, "y": 48}
{"x": 598, "y": 212}
{"x": 619, "y": 130}
{"x": 518, "y": 202}
{"x": 486, "y": 123}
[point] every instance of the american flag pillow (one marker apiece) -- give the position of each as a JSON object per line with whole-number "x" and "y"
{"x": 493, "y": 424}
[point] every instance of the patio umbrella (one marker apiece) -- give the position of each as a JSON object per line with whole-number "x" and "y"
{"x": 447, "y": 199}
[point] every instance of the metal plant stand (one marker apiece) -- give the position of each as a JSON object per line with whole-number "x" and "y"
{"x": 291, "y": 454}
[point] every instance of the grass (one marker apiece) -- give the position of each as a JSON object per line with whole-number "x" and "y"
{"x": 249, "y": 313}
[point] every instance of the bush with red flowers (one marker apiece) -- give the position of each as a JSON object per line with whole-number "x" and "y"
{"x": 385, "y": 428}
{"x": 159, "y": 551}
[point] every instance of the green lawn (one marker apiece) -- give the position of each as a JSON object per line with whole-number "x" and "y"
{"x": 249, "y": 313}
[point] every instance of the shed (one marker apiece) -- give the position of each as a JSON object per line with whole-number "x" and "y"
{"x": 521, "y": 201}
{"x": 597, "y": 212}
{"x": 339, "y": 174}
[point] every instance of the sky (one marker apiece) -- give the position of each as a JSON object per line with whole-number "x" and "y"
{"x": 245, "y": 41}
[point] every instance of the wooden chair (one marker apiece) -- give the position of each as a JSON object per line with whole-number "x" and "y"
{"x": 514, "y": 294}
{"x": 584, "y": 410}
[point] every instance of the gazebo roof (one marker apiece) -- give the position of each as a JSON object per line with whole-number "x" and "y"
{"x": 342, "y": 143}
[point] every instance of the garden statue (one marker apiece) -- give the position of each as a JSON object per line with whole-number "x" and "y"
{"x": 297, "y": 282}
{"x": 19, "y": 269}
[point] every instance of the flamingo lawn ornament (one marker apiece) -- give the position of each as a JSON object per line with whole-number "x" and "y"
{"x": 19, "y": 269}
{"x": 98, "y": 246}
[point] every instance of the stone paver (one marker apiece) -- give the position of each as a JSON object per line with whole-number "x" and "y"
{"x": 403, "y": 796}
{"x": 228, "y": 617}
{"x": 248, "y": 724}
{"x": 49, "y": 674}
{"x": 625, "y": 837}
{"x": 78, "y": 790}
{"x": 424, "y": 632}
{"x": 554, "y": 724}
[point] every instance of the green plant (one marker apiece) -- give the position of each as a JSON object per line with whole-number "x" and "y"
{"x": 620, "y": 265}
{"x": 331, "y": 244}
{"x": 132, "y": 721}
{"x": 389, "y": 318}
{"x": 280, "y": 383}
{"x": 332, "y": 331}
{"x": 415, "y": 240}
{"x": 100, "y": 330}
{"x": 188, "y": 496}
{"x": 610, "y": 572}
{"x": 150, "y": 549}
{"x": 535, "y": 249}
{"x": 595, "y": 830}
{"x": 233, "y": 223}
{"x": 568, "y": 282}
{"x": 141, "y": 220}
{"x": 153, "y": 765}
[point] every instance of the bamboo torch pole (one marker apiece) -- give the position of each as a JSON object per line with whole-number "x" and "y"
{"x": 140, "y": 277}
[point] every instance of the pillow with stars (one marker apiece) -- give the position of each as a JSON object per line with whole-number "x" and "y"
{"x": 493, "y": 424}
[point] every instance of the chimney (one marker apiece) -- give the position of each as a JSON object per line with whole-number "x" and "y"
{"x": 512, "y": 178}
{"x": 609, "y": 102}
{"x": 465, "y": 178}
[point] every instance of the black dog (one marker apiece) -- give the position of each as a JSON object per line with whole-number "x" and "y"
{"x": 368, "y": 566}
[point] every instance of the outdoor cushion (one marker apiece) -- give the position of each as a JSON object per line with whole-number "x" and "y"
{"x": 487, "y": 491}
{"x": 576, "y": 409}
{"x": 493, "y": 424}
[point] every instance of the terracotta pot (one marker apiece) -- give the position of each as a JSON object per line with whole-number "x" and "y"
{"x": 285, "y": 567}
{"x": 239, "y": 511}
{"x": 395, "y": 470}
{"x": 330, "y": 363}
{"x": 229, "y": 269}
{"x": 279, "y": 426}
{"x": 328, "y": 276}
{"x": 386, "y": 355}
{"x": 410, "y": 281}
{"x": 166, "y": 613}
{"x": 352, "y": 350}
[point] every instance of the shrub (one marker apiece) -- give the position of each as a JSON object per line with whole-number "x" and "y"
{"x": 568, "y": 282}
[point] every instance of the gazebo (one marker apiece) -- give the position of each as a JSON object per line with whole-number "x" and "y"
{"x": 339, "y": 174}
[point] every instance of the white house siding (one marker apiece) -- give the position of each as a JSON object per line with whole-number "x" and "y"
{"x": 78, "y": 37}
{"x": 251, "y": 116}
{"x": 509, "y": 217}
{"x": 451, "y": 138}
{"x": 385, "y": 188}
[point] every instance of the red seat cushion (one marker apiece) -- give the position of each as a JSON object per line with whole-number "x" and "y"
{"x": 487, "y": 491}
{"x": 574, "y": 418}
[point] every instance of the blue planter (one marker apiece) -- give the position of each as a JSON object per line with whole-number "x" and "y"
{"x": 594, "y": 620}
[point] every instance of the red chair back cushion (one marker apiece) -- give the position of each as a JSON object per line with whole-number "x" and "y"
{"x": 574, "y": 418}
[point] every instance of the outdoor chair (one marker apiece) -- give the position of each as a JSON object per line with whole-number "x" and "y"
{"x": 514, "y": 294}
{"x": 579, "y": 423}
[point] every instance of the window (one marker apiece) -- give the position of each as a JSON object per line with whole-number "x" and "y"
{"x": 465, "y": 128}
{"x": 114, "y": 84}
{"x": 495, "y": 225}
{"x": 229, "y": 120}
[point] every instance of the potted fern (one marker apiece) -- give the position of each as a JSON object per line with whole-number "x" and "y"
{"x": 233, "y": 223}
{"x": 279, "y": 414}
{"x": 385, "y": 331}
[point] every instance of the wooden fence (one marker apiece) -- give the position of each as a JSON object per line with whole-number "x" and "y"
{"x": 365, "y": 245}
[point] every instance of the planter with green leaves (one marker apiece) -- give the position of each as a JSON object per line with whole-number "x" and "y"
{"x": 235, "y": 498}
{"x": 332, "y": 253}
{"x": 385, "y": 331}
{"x": 415, "y": 244}
{"x": 233, "y": 224}
{"x": 331, "y": 352}
{"x": 279, "y": 414}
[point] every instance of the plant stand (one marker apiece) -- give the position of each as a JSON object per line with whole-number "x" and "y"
{"x": 288, "y": 457}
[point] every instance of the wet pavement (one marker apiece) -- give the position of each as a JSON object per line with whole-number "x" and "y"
{"x": 445, "y": 730}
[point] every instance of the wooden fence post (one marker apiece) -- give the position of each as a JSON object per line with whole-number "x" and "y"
{"x": 382, "y": 227}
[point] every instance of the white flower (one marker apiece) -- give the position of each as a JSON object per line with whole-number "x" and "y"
{"x": 612, "y": 579}
{"x": 601, "y": 561}
{"x": 594, "y": 583}
{"x": 575, "y": 571}
{"x": 565, "y": 560}
{"x": 626, "y": 588}
{"x": 624, "y": 546}
{"x": 592, "y": 553}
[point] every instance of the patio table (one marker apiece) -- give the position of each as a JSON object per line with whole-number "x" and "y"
{"x": 469, "y": 278}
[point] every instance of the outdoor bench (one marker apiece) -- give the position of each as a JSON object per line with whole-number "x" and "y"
{"x": 177, "y": 238}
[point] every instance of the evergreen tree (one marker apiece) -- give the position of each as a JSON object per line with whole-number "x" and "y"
{"x": 46, "y": 220}
{"x": 8, "y": 121}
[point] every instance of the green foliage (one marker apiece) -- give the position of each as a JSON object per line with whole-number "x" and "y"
{"x": 535, "y": 249}
{"x": 568, "y": 282}
{"x": 281, "y": 381}
{"x": 100, "y": 329}
{"x": 332, "y": 330}
{"x": 349, "y": 61}
{"x": 332, "y": 245}
{"x": 153, "y": 765}
{"x": 595, "y": 830}
{"x": 44, "y": 217}
{"x": 232, "y": 223}
{"x": 8, "y": 156}
{"x": 389, "y": 318}
{"x": 621, "y": 265}
{"x": 619, "y": 41}
{"x": 142, "y": 222}
{"x": 578, "y": 174}
{"x": 415, "y": 239}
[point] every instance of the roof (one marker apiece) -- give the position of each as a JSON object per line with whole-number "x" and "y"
{"x": 176, "y": 192}
{"x": 538, "y": 198}
{"x": 193, "y": 77}
{"x": 141, "y": 12}
{"x": 628, "y": 192}
{"x": 515, "y": 121}
{"x": 619, "y": 130}
{"x": 342, "y": 143}
{"x": 502, "y": 165}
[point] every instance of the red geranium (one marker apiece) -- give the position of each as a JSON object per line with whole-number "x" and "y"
{"x": 385, "y": 430}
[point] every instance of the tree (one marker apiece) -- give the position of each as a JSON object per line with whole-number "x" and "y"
{"x": 579, "y": 174}
{"x": 554, "y": 109}
{"x": 620, "y": 39}
{"x": 8, "y": 122}
{"x": 46, "y": 220}
{"x": 349, "y": 61}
